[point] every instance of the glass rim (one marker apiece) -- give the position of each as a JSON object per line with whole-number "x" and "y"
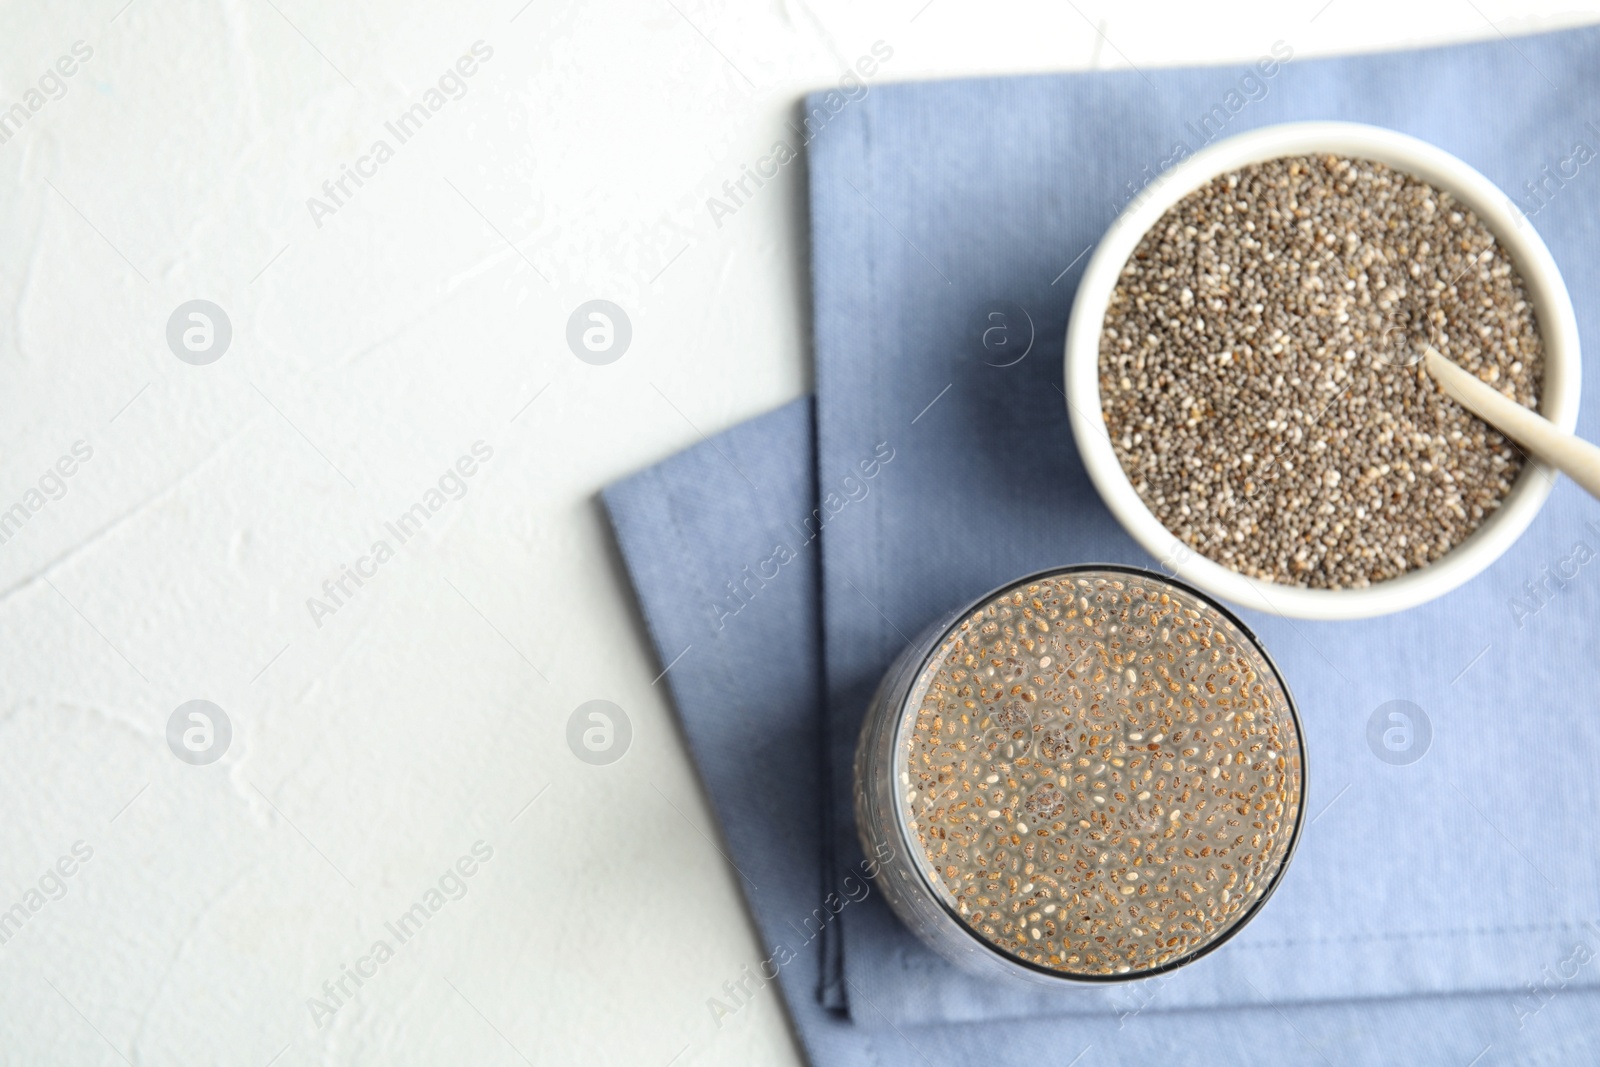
{"x": 936, "y": 636}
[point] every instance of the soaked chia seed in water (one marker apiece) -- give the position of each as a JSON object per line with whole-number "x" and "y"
{"x": 1103, "y": 772}
{"x": 1260, "y": 374}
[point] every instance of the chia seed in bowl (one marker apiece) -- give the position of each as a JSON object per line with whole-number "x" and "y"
{"x": 1260, "y": 379}
{"x": 1270, "y": 536}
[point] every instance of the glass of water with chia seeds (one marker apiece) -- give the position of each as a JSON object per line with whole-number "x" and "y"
{"x": 1093, "y": 774}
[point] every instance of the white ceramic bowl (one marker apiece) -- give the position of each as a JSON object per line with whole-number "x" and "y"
{"x": 1557, "y": 326}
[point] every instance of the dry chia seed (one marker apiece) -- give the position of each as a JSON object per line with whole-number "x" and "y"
{"x": 1253, "y": 377}
{"x": 1103, "y": 772}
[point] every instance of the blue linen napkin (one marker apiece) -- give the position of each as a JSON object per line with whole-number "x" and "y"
{"x": 934, "y": 205}
{"x": 748, "y": 691}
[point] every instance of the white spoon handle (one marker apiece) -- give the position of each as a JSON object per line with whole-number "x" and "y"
{"x": 1573, "y": 456}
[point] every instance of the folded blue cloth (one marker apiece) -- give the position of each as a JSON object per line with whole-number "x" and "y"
{"x": 934, "y": 204}
{"x": 749, "y": 694}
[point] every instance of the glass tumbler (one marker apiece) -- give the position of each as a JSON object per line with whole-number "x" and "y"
{"x": 1092, "y": 774}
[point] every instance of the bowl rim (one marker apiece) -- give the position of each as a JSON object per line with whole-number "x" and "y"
{"x": 1559, "y": 388}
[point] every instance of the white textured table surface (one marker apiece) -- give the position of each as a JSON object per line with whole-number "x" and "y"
{"x": 175, "y": 530}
